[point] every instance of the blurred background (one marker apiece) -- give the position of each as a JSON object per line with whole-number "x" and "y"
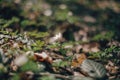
{"x": 74, "y": 19}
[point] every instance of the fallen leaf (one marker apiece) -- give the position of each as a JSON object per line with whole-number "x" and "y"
{"x": 42, "y": 57}
{"x": 78, "y": 60}
{"x": 93, "y": 69}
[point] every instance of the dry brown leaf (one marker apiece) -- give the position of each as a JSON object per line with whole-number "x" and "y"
{"x": 79, "y": 59}
{"x": 41, "y": 57}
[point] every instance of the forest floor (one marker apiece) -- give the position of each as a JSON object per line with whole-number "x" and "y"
{"x": 59, "y": 40}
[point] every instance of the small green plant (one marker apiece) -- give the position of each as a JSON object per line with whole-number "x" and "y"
{"x": 107, "y": 36}
{"x": 38, "y": 45}
{"x": 30, "y": 66}
{"x": 111, "y": 53}
{"x": 6, "y": 23}
{"x": 63, "y": 51}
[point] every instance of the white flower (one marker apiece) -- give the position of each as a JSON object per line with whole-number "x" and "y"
{"x": 55, "y": 38}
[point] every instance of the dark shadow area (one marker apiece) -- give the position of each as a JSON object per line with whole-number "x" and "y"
{"x": 8, "y": 12}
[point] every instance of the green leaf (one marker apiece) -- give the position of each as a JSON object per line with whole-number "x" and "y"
{"x": 38, "y": 45}
{"x": 30, "y": 66}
